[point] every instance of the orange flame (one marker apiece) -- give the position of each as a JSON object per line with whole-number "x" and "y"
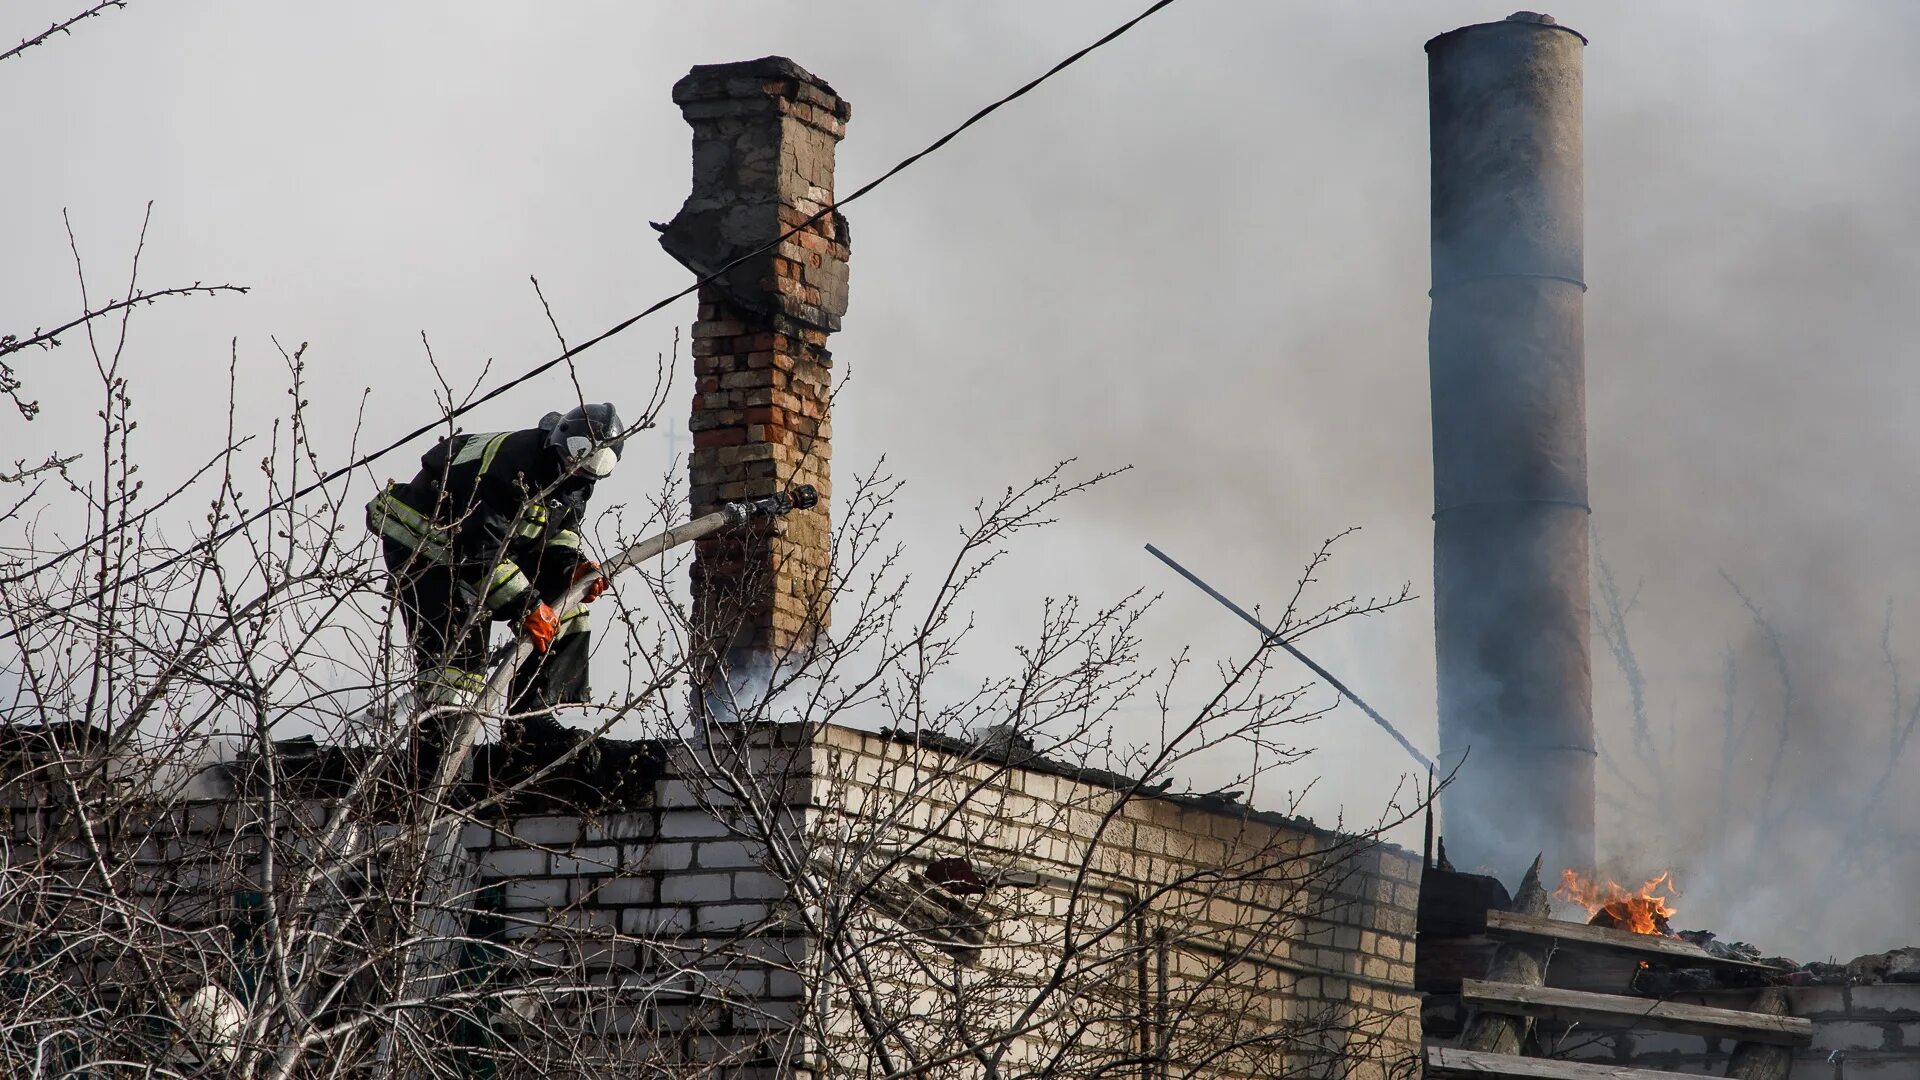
{"x": 1608, "y": 903}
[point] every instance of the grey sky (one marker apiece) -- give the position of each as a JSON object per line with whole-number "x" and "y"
{"x": 1201, "y": 252}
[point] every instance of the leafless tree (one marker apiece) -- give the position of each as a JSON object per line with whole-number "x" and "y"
{"x": 218, "y": 860}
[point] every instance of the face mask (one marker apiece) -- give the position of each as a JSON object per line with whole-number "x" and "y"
{"x": 599, "y": 464}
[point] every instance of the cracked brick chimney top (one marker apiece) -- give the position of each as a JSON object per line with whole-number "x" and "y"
{"x": 764, "y": 133}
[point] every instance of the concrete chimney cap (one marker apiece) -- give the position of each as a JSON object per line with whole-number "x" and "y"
{"x": 1528, "y": 19}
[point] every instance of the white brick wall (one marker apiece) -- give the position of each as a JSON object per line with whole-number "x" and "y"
{"x": 1250, "y": 936}
{"x": 676, "y": 910}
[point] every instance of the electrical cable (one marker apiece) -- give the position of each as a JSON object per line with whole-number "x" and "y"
{"x": 235, "y": 529}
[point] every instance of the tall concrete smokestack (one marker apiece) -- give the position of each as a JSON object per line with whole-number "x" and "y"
{"x": 1508, "y": 368}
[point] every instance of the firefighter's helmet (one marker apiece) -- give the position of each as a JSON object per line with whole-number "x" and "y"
{"x": 589, "y": 436}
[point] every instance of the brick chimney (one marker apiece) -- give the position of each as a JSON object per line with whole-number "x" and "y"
{"x": 764, "y": 133}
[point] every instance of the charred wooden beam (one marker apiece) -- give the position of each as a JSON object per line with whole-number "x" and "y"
{"x": 1451, "y": 921}
{"x": 1453, "y": 904}
{"x": 1522, "y": 963}
{"x": 1757, "y": 1059}
{"x": 1666, "y": 951}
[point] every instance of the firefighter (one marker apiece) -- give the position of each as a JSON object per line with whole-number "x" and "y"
{"x": 489, "y": 531}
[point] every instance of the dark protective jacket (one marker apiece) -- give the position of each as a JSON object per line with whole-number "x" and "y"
{"x": 496, "y": 509}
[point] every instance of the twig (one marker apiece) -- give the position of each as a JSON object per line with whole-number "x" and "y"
{"x": 48, "y": 339}
{"x": 62, "y": 27}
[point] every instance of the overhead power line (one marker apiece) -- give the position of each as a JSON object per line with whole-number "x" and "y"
{"x": 535, "y": 372}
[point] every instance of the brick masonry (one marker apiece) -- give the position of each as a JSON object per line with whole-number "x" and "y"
{"x": 1228, "y": 926}
{"x": 1251, "y": 924}
{"x": 764, "y": 133}
{"x": 1279, "y": 948}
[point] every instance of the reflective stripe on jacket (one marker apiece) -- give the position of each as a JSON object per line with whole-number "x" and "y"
{"x": 507, "y": 584}
{"x": 449, "y": 686}
{"x": 389, "y": 517}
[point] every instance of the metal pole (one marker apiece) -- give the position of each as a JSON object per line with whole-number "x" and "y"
{"x": 1272, "y": 637}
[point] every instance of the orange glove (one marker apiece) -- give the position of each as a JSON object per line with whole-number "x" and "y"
{"x": 542, "y": 626}
{"x": 594, "y": 588}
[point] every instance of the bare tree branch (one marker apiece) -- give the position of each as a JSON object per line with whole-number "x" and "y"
{"x": 65, "y": 27}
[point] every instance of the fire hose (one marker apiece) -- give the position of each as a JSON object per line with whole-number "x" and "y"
{"x": 506, "y": 662}
{"x": 215, "y": 1016}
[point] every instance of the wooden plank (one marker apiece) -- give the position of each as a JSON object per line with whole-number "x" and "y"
{"x": 1602, "y": 973}
{"x": 1611, "y": 1011}
{"x": 1441, "y": 963}
{"x": 1452, "y": 1061}
{"x": 1666, "y": 951}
